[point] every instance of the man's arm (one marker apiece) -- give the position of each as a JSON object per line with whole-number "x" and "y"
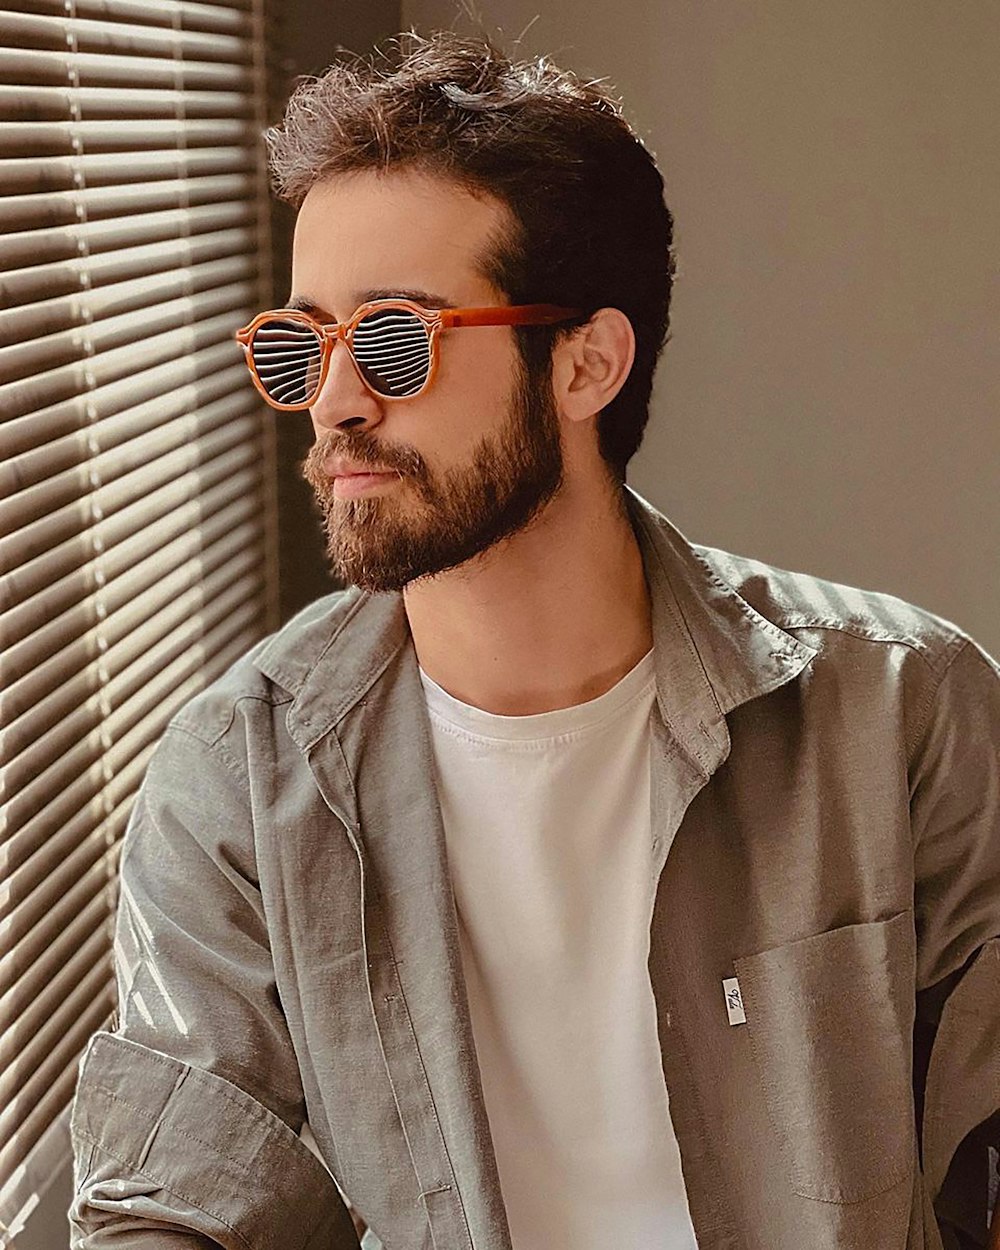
{"x": 955, "y": 820}
{"x": 185, "y": 1119}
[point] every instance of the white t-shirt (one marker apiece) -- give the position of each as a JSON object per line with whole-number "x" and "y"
{"x": 547, "y": 823}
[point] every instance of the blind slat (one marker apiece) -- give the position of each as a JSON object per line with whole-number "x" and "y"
{"x": 18, "y": 325}
{"x": 24, "y": 1089}
{"x": 22, "y": 953}
{"x": 54, "y": 103}
{"x": 84, "y": 35}
{"x": 88, "y": 342}
{"x": 23, "y": 1034}
{"x": 182, "y": 13}
{"x": 181, "y": 545}
{"x": 20, "y": 695}
{"x": 48, "y": 1093}
{"x": 30, "y": 66}
{"x": 65, "y": 138}
{"x": 89, "y": 846}
{"x": 80, "y": 412}
{"x": 61, "y": 243}
{"x": 82, "y": 804}
{"x": 66, "y": 173}
{"x": 36, "y": 1158}
{"x": 48, "y": 281}
{"x": 63, "y": 208}
{"x": 27, "y": 983}
{"x": 118, "y": 612}
{"x": 185, "y": 561}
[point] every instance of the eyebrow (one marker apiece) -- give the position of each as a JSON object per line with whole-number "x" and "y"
{"x": 427, "y": 298}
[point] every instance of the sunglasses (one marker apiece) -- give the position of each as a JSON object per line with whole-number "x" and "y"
{"x": 393, "y": 343}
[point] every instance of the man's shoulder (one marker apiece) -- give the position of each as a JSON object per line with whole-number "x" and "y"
{"x": 291, "y": 650}
{"x": 801, "y": 601}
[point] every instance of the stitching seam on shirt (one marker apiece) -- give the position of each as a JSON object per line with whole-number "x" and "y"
{"x": 791, "y": 618}
{"x": 930, "y": 699}
{"x": 145, "y": 1112}
{"x": 335, "y": 737}
{"x": 268, "y": 653}
{"x": 754, "y": 616}
{"x": 350, "y": 698}
{"x": 167, "y": 1188}
{"x": 437, "y": 1119}
{"x": 921, "y": 646}
{"x": 726, "y": 1222}
{"x": 195, "y": 1076}
{"x": 270, "y": 1136}
{"x": 218, "y": 747}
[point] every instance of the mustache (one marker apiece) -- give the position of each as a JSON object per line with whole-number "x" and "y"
{"x": 364, "y": 450}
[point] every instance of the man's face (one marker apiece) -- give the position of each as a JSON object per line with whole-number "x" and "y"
{"x": 478, "y": 454}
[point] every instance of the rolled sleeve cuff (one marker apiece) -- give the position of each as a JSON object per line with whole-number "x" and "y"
{"x": 184, "y": 1147}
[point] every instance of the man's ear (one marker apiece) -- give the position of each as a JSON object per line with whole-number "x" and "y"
{"x": 589, "y": 367}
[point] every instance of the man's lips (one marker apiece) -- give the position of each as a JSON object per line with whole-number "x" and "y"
{"x": 338, "y": 469}
{"x": 348, "y": 482}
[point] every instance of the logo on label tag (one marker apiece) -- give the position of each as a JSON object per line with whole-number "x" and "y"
{"x": 734, "y": 1001}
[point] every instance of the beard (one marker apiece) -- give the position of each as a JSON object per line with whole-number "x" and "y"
{"x": 382, "y": 543}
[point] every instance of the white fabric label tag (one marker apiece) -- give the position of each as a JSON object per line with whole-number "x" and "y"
{"x": 734, "y": 1001}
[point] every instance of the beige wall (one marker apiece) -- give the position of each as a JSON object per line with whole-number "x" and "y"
{"x": 829, "y": 398}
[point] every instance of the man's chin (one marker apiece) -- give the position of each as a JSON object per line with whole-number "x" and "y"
{"x": 353, "y": 569}
{"x": 386, "y": 580}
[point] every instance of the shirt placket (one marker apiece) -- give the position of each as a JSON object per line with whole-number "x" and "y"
{"x": 675, "y": 781}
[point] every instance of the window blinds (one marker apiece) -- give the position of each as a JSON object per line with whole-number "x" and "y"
{"x": 137, "y": 509}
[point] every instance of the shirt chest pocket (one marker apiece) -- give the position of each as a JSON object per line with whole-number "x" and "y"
{"x": 830, "y": 1020}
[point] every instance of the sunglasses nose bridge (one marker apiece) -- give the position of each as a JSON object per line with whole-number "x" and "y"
{"x": 332, "y": 335}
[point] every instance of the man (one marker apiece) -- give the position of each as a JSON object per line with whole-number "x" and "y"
{"x": 577, "y": 885}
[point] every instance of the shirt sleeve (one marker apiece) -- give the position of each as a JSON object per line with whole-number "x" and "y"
{"x": 186, "y": 1117}
{"x": 955, "y": 822}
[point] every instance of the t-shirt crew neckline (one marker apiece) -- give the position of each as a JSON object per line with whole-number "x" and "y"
{"x": 477, "y": 722}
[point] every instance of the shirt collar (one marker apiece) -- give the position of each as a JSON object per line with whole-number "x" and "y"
{"x": 714, "y": 650}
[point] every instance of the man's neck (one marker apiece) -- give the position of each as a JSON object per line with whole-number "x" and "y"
{"x": 551, "y": 618}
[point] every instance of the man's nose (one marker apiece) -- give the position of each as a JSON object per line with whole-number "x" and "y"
{"x": 344, "y": 402}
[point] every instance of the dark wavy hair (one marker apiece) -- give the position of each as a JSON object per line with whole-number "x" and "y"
{"x": 592, "y": 229}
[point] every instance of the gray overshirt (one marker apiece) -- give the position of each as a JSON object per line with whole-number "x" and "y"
{"x": 826, "y": 829}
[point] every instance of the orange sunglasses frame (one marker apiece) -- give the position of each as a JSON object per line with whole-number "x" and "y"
{"x": 435, "y": 319}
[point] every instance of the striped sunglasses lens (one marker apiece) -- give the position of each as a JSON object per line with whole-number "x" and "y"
{"x": 287, "y": 358}
{"x": 392, "y": 348}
